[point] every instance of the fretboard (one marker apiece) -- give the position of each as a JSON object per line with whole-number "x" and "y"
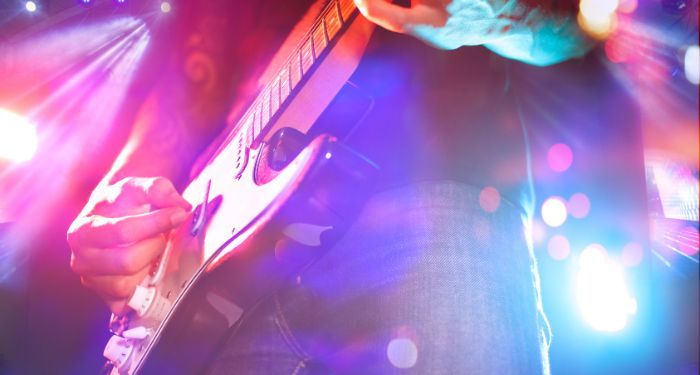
{"x": 324, "y": 31}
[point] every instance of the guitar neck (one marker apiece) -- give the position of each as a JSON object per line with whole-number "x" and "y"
{"x": 288, "y": 79}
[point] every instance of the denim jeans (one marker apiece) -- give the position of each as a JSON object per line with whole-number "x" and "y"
{"x": 424, "y": 282}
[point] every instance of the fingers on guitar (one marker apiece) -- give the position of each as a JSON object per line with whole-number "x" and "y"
{"x": 117, "y": 261}
{"x": 101, "y": 232}
{"x": 157, "y": 191}
{"x": 400, "y": 19}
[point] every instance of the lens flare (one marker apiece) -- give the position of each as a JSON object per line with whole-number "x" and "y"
{"x": 18, "y": 138}
{"x": 601, "y": 291}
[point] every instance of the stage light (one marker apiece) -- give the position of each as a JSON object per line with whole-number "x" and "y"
{"x": 18, "y": 139}
{"x": 692, "y": 64}
{"x": 165, "y": 7}
{"x": 601, "y": 291}
{"x": 30, "y": 6}
{"x": 554, "y": 211}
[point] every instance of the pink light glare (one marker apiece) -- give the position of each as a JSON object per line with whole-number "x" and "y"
{"x": 560, "y": 157}
{"x": 558, "y": 247}
{"x": 489, "y": 199}
{"x": 578, "y": 205}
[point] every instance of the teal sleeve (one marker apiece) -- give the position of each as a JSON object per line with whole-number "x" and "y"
{"x": 510, "y": 29}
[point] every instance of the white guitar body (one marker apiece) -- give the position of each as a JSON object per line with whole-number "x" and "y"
{"x": 253, "y": 227}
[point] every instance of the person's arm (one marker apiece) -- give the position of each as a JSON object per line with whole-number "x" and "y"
{"x": 122, "y": 229}
{"x": 124, "y": 225}
{"x": 534, "y": 32}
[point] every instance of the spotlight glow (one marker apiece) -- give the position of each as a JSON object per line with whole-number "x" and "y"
{"x": 554, "y": 211}
{"x": 601, "y": 291}
{"x": 30, "y": 6}
{"x": 18, "y": 139}
{"x": 165, "y": 7}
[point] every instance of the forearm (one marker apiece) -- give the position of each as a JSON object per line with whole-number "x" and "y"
{"x": 160, "y": 144}
{"x": 534, "y": 32}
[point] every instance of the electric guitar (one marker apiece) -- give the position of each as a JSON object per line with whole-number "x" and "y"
{"x": 273, "y": 196}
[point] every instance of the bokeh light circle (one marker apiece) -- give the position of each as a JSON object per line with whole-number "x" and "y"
{"x": 489, "y": 199}
{"x": 30, "y": 6}
{"x": 579, "y": 205}
{"x": 402, "y": 353}
{"x": 558, "y": 247}
{"x": 560, "y": 157}
{"x": 691, "y": 64}
{"x": 554, "y": 211}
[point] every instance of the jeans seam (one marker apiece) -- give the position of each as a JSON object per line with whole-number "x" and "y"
{"x": 287, "y": 335}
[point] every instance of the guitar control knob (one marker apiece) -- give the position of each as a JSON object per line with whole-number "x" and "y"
{"x": 118, "y": 351}
{"x": 142, "y": 299}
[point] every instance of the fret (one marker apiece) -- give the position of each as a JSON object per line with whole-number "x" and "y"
{"x": 295, "y": 70}
{"x": 318, "y": 37}
{"x": 332, "y": 19}
{"x": 347, "y": 7}
{"x": 248, "y": 129}
{"x": 307, "y": 56}
{"x": 257, "y": 123}
{"x": 284, "y": 84}
{"x": 274, "y": 97}
{"x": 265, "y": 107}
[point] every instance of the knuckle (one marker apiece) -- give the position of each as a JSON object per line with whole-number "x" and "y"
{"x": 159, "y": 186}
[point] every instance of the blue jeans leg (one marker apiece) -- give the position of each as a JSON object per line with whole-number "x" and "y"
{"x": 424, "y": 282}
